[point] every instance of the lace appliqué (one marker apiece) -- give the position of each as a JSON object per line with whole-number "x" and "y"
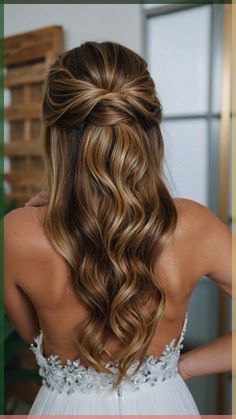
{"x": 73, "y": 376}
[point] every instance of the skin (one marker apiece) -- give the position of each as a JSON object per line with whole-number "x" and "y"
{"x": 38, "y": 289}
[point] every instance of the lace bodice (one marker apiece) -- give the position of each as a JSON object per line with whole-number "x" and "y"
{"x": 74, "y": 376}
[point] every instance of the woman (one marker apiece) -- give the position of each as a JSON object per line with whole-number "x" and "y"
{"x": 105, "y": 265}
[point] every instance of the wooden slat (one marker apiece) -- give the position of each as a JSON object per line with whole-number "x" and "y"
{"x": 23, "y": 148}
{"x": 29, "y": 74}
{"x": 20, "y": 197}
{"x": 28, "y": 57}
{"x": 24, "y": 177}
{"x": 23, "y": 112}
{"x": 33, "y": 45}
{"x": 17, "y": 195}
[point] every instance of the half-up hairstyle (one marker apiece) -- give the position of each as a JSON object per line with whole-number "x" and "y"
{"x": 110, "y": 214}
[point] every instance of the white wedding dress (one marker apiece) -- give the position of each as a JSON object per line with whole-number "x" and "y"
{"x": 156, "y": 388}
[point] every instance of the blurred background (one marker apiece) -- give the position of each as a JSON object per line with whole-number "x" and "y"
{"x": 188, "y": 51}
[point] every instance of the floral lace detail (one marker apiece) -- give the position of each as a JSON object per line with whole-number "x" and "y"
{"x": 73, "y": 376}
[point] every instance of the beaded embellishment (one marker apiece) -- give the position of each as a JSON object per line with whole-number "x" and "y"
{"x": 73, "y": 376}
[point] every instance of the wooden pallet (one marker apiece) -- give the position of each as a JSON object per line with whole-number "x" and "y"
{"x": 27, "y": 58}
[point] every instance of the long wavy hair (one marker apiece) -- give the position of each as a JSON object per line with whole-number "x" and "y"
{"x": 110, "y": 213}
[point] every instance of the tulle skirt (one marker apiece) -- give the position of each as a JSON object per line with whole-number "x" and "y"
{"x": 170, "y": 397}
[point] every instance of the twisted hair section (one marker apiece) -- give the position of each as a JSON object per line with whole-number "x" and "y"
{"x": 110, "y": 213}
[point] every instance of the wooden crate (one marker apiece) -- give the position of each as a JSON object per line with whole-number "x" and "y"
{"x": 27, "y": 58}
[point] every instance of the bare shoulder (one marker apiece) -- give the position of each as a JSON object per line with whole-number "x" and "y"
{"x": 22, "y": 214}
{"x": 193, "y": 210}
{"x": 24, "y": 218}
{"x": 200, "y": 220}
{"x": 23, "y": 227}
{"x": 211, "y": 239}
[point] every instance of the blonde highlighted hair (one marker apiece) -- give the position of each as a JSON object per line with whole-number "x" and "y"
{"x": 110, "y": 213}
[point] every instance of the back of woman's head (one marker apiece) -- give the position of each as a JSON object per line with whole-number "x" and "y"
{"x": 110, "y": 213}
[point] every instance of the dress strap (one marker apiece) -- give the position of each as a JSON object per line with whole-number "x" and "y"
{"x": 184, "y": 328}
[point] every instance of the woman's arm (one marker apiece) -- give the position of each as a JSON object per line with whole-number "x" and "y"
{"x": 18, "y": 307}
{"x": 215, "y": 257}
{"x": 214, "y": 357}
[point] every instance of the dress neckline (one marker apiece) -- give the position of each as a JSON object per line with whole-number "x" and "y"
{"x": 37, "y": 347}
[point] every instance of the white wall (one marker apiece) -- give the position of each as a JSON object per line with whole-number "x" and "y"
{"x": 81, "y": 22}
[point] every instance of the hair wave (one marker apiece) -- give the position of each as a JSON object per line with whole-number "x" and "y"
{"x": 110, "y": 213}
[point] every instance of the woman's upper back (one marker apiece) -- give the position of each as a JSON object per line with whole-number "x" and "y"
{"x": 43, "y": 277}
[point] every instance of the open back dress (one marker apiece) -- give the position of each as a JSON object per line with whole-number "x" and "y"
{"x": 156, "y": 388}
